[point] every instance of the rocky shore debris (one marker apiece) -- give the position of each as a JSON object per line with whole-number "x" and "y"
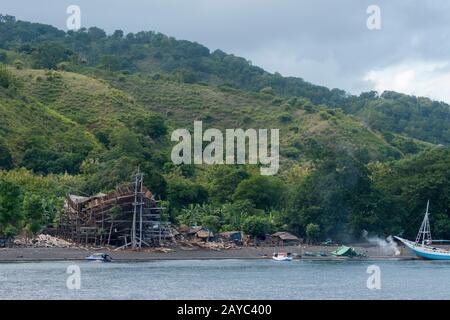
{"x": 43, "y": 241}
{"x": 216, "y": 246}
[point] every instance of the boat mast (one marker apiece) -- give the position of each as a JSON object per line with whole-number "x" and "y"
{"x": 424, "y": 235}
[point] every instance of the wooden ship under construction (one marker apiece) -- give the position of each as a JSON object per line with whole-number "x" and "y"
{"x": 128, "y": 217}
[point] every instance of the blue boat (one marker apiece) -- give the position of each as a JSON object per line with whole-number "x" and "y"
{"x": 422, "y": 247}
{"x": 99, "y": 257}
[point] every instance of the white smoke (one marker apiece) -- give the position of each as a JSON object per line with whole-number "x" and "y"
{"x": 388, "y": 245}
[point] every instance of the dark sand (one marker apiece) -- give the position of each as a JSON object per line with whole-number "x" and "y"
{"x": 73, "y": 254}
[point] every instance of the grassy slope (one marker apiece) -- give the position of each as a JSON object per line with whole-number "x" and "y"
{"x": 224, "y": 107}
{"x": 82, "y": 99}
{"x": 79, "y": 102}
{"x": 22, "y": 118}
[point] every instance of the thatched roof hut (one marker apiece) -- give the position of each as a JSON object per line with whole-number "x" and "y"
{"x": 284, "y": 237}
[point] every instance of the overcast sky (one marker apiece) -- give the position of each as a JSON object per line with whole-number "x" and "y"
{"x": 325, "y": 42}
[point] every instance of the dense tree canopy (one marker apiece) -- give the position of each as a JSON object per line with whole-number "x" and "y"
{"x": 263, "y": 191}
{"x": 10, "y": 208}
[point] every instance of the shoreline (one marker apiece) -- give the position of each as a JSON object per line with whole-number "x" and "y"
{"x": 31, "y": 254}
{"x": 209, "y": 259}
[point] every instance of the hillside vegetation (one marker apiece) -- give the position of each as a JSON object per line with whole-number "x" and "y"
{"x": 80, "y": 111}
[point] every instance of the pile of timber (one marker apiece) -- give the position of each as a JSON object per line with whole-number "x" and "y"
{"x": 217, "y": 246}
{"x": 43, "y": 241}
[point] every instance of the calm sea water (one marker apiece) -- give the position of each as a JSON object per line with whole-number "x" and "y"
{"x": 227, "y": 279}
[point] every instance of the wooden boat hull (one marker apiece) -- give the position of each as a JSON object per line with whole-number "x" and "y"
{"x": 282, "y": 257}
{"x": 96, "y": 260}
{"x": 425, "y": 252}
{"x": 99, "y": 258}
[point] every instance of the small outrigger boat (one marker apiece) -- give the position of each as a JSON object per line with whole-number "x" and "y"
{"x": 282, "y": 256}
{"x": 422, "y": 246}
{"x": 99, "y": 257}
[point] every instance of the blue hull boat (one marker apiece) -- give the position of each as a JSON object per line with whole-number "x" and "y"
{"x": 422, "y": 246}
{"x": 99, "y": 257}
{"x": 424, "y": 251}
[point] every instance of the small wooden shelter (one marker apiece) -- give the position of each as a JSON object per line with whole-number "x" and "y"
{"x": 279, "y": 238}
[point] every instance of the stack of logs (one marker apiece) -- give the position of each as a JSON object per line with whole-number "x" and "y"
{"x": 43, "y": 241}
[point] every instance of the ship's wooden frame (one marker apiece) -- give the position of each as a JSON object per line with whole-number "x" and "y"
{"x": 128, "y": 217}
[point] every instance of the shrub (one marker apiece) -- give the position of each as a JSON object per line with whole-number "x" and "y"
{"x": 285, "y": 118}
{"x": 324, "y": 115}
{"x": 257, "y": 226}
{"x": 277, "y": 101}
{"x": 18, "y": 64}
{"x": 5, "y": 77}
{"x": 267, "y": 90}
{"x": 313, "y": 231}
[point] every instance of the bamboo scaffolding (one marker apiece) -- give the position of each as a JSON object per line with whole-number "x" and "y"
{"x": 127, "y": 217}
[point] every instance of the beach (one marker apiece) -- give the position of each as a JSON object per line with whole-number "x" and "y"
{"x": 24, "y": 254}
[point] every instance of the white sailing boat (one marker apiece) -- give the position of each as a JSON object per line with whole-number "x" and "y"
{"x": 422, "y": 247}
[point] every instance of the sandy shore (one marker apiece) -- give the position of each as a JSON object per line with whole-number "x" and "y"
{"x": 73, "y": 254}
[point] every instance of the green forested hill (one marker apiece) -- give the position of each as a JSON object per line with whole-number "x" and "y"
{"x": 417, "y": 117}
{"x": 80, "y": 111}
{"x": 43, "y": 46}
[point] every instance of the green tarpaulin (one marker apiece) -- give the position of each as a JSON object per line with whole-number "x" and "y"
{"x": 345, "y": 251}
